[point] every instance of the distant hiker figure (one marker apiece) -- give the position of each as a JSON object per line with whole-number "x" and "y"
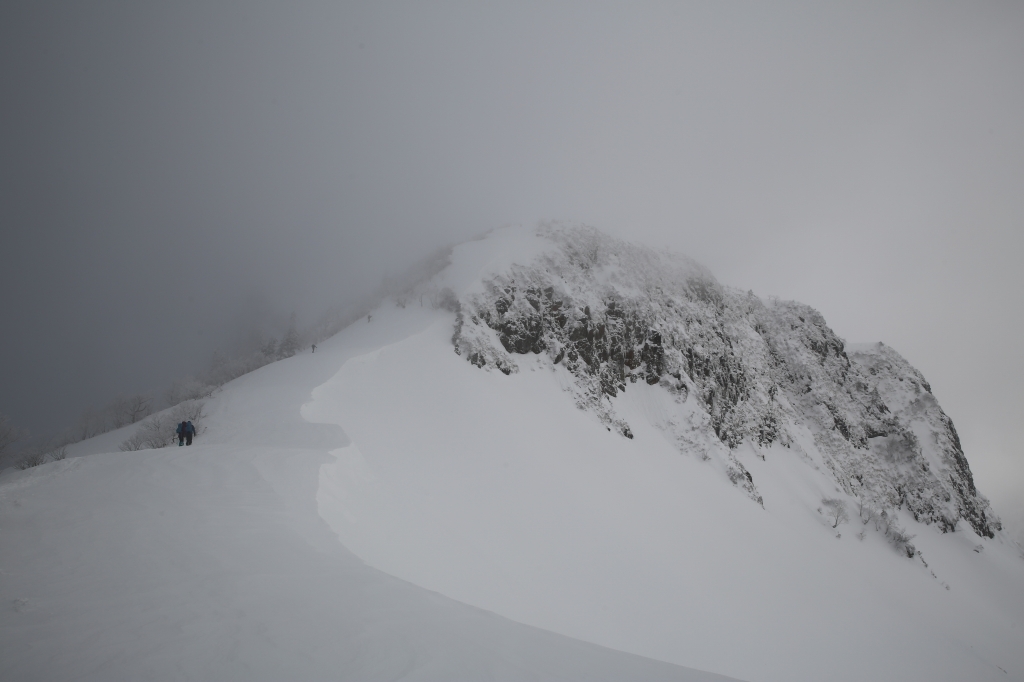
{"x": 185, "y": 432}
{"x": 314, "y": 347}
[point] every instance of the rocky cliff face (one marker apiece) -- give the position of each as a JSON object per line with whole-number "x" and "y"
{"x": 743, "y": 370}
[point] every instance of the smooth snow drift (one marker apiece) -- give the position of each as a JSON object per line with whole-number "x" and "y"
{"x": 211, "y": 563}
{"x": 498, "y": 491}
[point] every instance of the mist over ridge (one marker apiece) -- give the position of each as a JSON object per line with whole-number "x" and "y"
{"x": 172, "y": 177}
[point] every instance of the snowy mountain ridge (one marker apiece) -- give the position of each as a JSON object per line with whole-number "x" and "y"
{"x": 744, "y": 372}
{"x": 572, "y": 494}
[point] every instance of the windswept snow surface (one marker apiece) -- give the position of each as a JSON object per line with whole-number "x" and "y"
{"x": 497, "y": 491}
{"x": 212, "y": 563}
{"x": 461, "y": 487}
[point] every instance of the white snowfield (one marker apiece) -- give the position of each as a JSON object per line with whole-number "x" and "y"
{"x": 212, "y": 563}
{"x": 383, "y": 509}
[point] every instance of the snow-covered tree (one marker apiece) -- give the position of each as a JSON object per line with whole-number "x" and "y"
{"x": 269, "y": 347}
{"x": 135, "y": 408}
{"x": 291, "y": 342}
{"x": 835, "y": 509}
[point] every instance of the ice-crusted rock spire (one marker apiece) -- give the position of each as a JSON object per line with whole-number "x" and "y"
{"x": 614, "y": 313}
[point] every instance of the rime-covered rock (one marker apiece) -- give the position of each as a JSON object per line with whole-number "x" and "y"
{"x": 761, "y": 372}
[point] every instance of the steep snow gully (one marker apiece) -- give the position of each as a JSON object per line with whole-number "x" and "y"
{"x": 562, "y": 457}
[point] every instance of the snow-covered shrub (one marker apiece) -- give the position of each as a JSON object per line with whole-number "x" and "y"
{"x": 887, "y": 523}
{"x": 188, "y": 388}
{"x": 741, "y": 478}
{"x": 835, "y": 509}
{"x": 40, "y": 453}
{"x": 157, "y": 431}
{"x": 32, "y": 458}
{"x": 189, "y": 411}
{"x": 899, "y": 538}
{"x": 90, "y": 423}
{"x": 128, "y": 410}
{"x": 269, "y": 348}
{"x": 137, "y": 441}
{"x": 291, "y": 342}
{"x": 137, "y": 407}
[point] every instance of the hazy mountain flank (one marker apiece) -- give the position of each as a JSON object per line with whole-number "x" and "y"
{"x": 561, "y": 456}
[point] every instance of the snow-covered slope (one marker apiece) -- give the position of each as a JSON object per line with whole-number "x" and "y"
{"x": 583, "y": 438}
{"x": 212, "y": 563}
{"x": 614, "y": 314}
{"x": 616, "y": 496}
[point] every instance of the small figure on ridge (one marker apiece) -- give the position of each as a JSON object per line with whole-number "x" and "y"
{"x": 185, "y": 432}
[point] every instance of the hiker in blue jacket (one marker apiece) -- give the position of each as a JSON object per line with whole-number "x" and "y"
{"x": 185, "y": 432}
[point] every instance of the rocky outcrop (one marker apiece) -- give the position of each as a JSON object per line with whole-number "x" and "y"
{"x": 614, "y": 314}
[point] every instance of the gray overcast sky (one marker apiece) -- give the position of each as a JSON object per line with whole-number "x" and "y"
{"x": 169, "y": 172}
